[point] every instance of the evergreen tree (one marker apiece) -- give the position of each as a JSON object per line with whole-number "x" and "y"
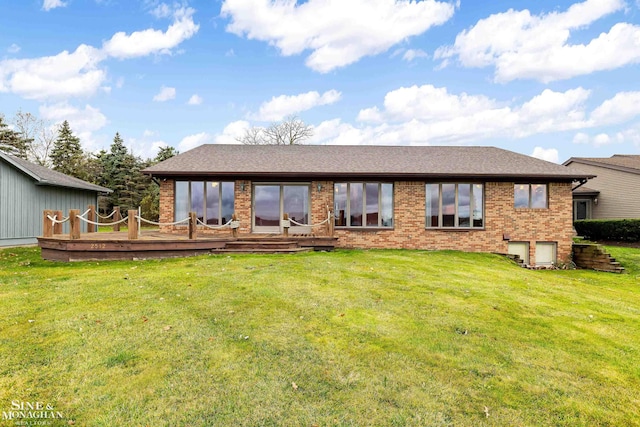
{"x": 150, "y": 203}
{"x": 12, "y": 142}
{"x": 121, "y": 172}
{"x": 164, "y": 154}
{"x": 67, "y": 155}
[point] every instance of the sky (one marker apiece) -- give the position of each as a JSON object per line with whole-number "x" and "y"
{"x": 551, "y": 79}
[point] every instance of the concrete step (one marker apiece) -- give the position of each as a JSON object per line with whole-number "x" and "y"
{"x": 256, "y": 244}
{"x": 261, "y": 251}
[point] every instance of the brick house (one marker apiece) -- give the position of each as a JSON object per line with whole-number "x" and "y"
{"x": 480, "y": 199}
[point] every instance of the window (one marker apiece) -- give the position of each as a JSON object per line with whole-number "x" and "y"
{"x": 532, "y": 196}
{"x": 454, "y": 205}
{"x": 363, "y": 204}
{"x": 212, "y": 201}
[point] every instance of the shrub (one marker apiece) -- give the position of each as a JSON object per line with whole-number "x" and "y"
{"x": 623, "y": 230}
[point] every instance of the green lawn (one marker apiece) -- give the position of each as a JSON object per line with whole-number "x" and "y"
{"x": 362, "y": 338}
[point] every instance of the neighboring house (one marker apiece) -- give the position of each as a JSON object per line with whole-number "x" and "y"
{"x": 613, "y": 193}
{"x": 481, "y": 199}
{"x": 27, "y": 189}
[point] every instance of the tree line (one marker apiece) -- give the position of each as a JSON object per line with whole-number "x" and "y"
{"x": 59, "y": 149}
{"x": 33, "y": 139}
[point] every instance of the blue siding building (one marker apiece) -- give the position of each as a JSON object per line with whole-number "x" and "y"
{"x": 27, "y": 189}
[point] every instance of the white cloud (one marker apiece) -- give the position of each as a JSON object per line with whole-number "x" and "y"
{"x": 430, "y": 115}
{"x": 426, "y": 103}
{"x": 165, "y": 94}
{"x": 601, "y": 139}
{"x": 281, "y": 106}
{"x": 524, "y": 46}
{"x": 622, "y": 107}
{"x": 230, "y": 53}
{"x": 14, "y": 48}
{"x": 145, "y": 148}
{"x": 412, "y": 54}
{"x": 581, "y": 138}
{"x": 78, "y": 74}
{"x": 193, "y": 141}
{"x": 195, "y": 99}
{"x": 548, "y": 154}
{"x": 52, "y": 4}
{"x": 229, "y": 135}
{"x": 337, "y": 33}
{"x": 83, "y": 121}
{"x": 630, "y": 135}
{"x": 59, "y": 76}
{"x": 162, "y": 10}
{"x": 231, "y": 132}
{"x": 146, "y": 42}
{"x": 88, "y": 119}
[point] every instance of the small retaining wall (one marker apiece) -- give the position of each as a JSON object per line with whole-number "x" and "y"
{"x": 594, "y": 257}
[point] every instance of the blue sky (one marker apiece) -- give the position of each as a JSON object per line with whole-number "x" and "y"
{"x": 553, "y": 79}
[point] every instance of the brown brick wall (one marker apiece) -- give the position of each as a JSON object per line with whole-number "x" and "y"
{"x": 501, "y": 218}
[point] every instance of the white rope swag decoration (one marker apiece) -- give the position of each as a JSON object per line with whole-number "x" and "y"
{"x": 162, "y": 223}
{"x": 313, "y": 225}
{"x": 215, "y": 227}
{"x": 54, "y": 220}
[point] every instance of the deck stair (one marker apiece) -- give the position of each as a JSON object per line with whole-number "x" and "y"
{"x": 262, "y": 246}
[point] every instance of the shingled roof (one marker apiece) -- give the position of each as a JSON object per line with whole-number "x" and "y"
{"x": 622, "y": 162}
{"x": 310, "y": 161}
{"x": 46, "y": 176}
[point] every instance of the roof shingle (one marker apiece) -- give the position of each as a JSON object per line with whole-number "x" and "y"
{"x": 625, "y": 162}
{"x": 46, "y": 176}
{"x": 353, "y": 161}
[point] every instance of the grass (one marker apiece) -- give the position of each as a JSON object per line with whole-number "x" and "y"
{"x": 351, "y": 338}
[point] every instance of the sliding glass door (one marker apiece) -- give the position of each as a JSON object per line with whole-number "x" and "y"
{"x": 272, "y": 201}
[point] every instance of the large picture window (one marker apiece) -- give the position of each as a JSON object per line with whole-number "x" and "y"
{"x": 452, "y": 205}
{"x": 212, "y": 201}
{"x": 532, "y": 196}
{"x": 363, "y": 204}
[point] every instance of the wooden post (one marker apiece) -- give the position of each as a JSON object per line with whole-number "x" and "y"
{"x": 193, "y": 229}
{"x": 74, "y": 224}
{"x": 57, "y": 227}
{"x": 234, "y": 231}
{"x": 332, "y": 222}
{"x": 116, "y": 217}
{"x": 133, "y": 225}
{"x": 285, "y": 217}
{"x": 47, "y": 226}
{"x": 91, "y": 228}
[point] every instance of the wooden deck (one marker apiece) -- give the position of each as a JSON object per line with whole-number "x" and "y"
{"x": 153, "y": 244}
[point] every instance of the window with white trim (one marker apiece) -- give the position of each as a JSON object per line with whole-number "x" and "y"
{"x": 363, "y": 204}
{"x": 454, "y": 205}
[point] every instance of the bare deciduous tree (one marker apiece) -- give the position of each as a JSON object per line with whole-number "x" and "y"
{"x": 41, "y": 135}
{"x": 290, "y": 131}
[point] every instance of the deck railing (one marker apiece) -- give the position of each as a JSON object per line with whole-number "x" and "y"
{"x": 53, "y": 220}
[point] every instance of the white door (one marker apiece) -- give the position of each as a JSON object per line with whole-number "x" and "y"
{"x": 521, "y": 249}
{"x": 545, "y": 253}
